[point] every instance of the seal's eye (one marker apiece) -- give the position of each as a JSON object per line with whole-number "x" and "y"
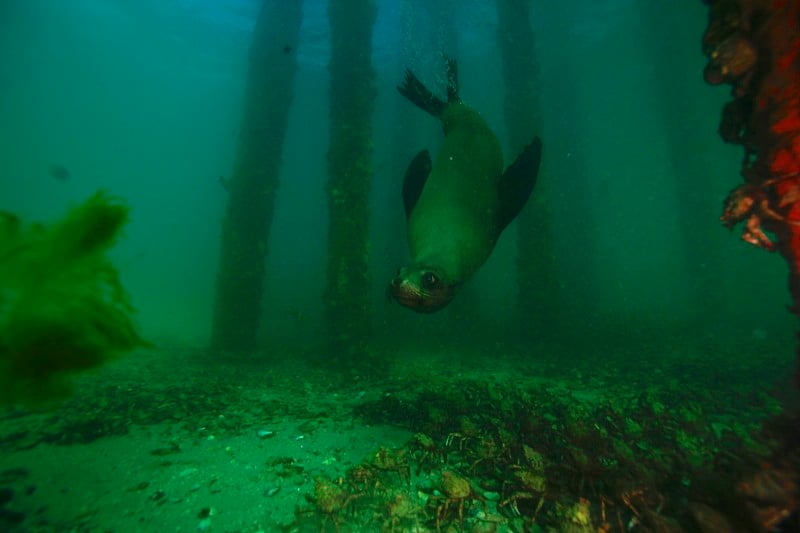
{"x": 430, "y": 280}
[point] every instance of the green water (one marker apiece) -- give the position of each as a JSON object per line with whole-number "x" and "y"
{"x": 644, "y": 400}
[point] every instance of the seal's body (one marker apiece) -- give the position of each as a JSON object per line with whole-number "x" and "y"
{"x": 458, "y": 205}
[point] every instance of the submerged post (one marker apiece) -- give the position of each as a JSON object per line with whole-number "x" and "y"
{"x": 667, "y": 37}
{"x": 539, "y": 296}
{"x": 254, "y": 180}
{"x": 352, "y": 100}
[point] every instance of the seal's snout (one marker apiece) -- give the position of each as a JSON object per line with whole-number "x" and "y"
{"x": 420, "y": 288}
{"x": 403, "y": 290}
{"x": 394, "y": 284}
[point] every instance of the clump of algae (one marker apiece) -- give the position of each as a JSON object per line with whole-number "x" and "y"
{"x": 62, "y": 306}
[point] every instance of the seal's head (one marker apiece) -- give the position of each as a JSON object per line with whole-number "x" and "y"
{"x": 422, "y": 288}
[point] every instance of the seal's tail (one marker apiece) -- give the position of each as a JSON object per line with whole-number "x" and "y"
{"x": 420, "y": 96}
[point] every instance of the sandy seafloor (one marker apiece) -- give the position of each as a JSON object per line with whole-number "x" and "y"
{"x": 195, "y": 451}
{"x": 166, "y": 440}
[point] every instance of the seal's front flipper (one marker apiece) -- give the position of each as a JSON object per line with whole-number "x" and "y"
{"x": 414, "y": 181}
{"x": 517, "y": 183}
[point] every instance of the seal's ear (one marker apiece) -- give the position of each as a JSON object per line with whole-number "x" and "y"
{"x": 517, "y": 183}
{"x": 414, "y": 181}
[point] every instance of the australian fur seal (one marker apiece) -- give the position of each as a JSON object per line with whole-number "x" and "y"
{"x": 458, "y": 205}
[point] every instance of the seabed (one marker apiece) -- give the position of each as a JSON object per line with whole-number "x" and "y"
{"x": 610, "y": 440}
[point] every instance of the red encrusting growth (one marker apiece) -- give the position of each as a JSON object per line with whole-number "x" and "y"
{"x": 754, "y": 45}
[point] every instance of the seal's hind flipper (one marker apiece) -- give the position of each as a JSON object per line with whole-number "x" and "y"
{"x": 452, "y": 81}
{"x": 517, "y": 183}
{"x": 420, "y": 96}
{"x": 414, "y": 181}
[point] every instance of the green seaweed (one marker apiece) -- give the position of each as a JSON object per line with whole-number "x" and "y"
{"x": 62, "y": 306}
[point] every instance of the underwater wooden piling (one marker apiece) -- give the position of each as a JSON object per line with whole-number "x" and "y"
{"x": 254, "y": 179}
{"x": 538, "y": 298}
{"x": 352, "y": 101}
{"x": 669, "y": 41}
{"x": 564, "y": 161}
